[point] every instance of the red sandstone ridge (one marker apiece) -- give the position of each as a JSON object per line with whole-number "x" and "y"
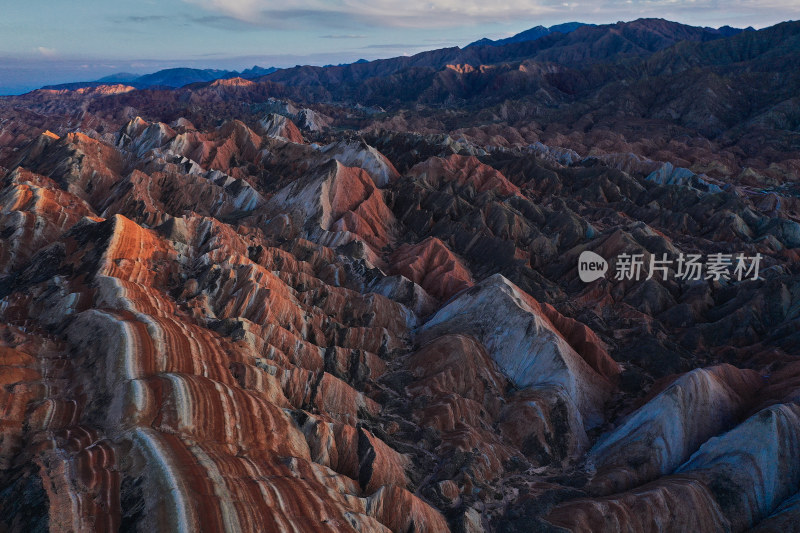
{"x": 220, "y": 149}
{"x": 433, "y": 266}
{"x": 280, "y": 127}
{"x": 581, "y": 338}
{"x": 79, "y": 164}
{"x": 529, "y": 348}
{"x": 748, "y": 498}
{"x": 335, "y": 205}
{"x": 98, "y": 90}
{"x": 34, "y": 211}
{"x": 463, "y": 170}
{"x": 165, "y": 392}
{"x": 360, "y": 154}
{"x": 461, "y": 69}
{"x": 232, "y": 82}
{"x": 466, "y": 394}
{"x": 139, "y": 136}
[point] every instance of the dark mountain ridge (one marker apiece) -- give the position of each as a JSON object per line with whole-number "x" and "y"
{"x": 531, "y": 34}
{"x": 171, "y": 78}
{"x": 580, "y": 48}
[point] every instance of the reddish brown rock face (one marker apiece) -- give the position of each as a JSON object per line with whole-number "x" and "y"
{"x": 221, "y": 310}
{"x": 335, "y": 205}
{"x": 464, "y": 171}
{"x": 434, "y": 267}
{"x": 281, "y": 128}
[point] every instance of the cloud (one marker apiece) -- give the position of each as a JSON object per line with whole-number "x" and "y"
{"x": 224, "y": 22}
{"x": 47, "y": 52}
{"x": 341, "y": 36}
{"x": 382, "y": 13}
{"x": 395, "y": 46}
{"x": 143, "y": 18}
{"x": 430, "y": 14}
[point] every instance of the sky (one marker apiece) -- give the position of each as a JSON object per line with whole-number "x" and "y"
{"x": 46, "y": 42}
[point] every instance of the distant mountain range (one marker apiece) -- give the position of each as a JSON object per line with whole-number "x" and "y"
{"x": 538, "y": 32}
{"x": 532, "y": 34}
{"x": 566, "y": 66}
{"x": 648, "y": 77}
{"x": 171, "y": 77}
{"x": 180, "y": 77}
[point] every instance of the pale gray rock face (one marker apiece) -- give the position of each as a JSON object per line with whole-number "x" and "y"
{"x": 310, "y": 120}
{"x": 140, "y": 137}
{"x": 279, "y": 127}
{"x": 561, "y": 156}
{"x": 752, "y": 468}
{"x": 335, "y": 205}
{"x": 524, "y": 344}
{"x": 732, "y": 482}
{"x": 668, "y": 174}
{"x": 654, "y": 440}
{"x": 405, "y": 291}
{"x": 359, "y": 154}
{"x": 305, "y": 118}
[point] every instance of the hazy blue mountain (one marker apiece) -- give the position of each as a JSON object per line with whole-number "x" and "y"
{"x": 532, "y": 34}
{"x": 171, "y": 77}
